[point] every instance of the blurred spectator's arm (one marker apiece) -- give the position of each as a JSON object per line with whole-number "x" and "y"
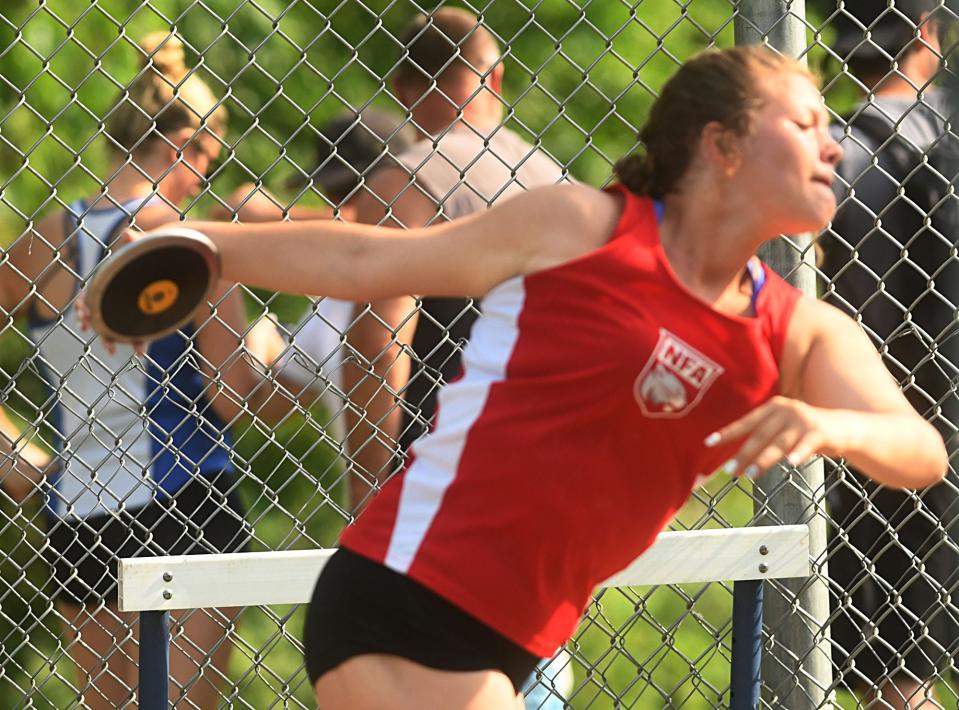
{"x": 40, "y": 254}
{"x": 256, "y": 204}
{"x": 240, "y": 385}
{"x": 375, "y": 376}
{"x": 22, "y": 463}
{"x": 271, "y": 351}
{"x": 41, "y": 258}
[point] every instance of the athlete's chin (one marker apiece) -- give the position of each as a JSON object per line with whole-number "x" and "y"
{"x": 814, "y": 216}
{"x": 824, "y": 206}
{"x": 820, "y": 221}
{"x": 824, "y": 217}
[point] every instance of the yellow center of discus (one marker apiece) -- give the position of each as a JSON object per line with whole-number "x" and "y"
{"x": 157, "y": 297}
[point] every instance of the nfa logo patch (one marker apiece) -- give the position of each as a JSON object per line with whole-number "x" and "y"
{"x": 674, "y": 379}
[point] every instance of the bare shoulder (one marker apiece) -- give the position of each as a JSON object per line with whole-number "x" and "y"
{"x": 813, "y": 317}
{"x": 50, "y": 228}
{"x": 37, "y": 243}
{"x": 39, "y": 256}
{"x": 575, "y": 201}
{"x": 566, "y": 221}
{"x": 815, "y": 324}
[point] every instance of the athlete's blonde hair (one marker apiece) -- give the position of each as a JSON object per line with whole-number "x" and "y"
{"x": 165, "y": 97}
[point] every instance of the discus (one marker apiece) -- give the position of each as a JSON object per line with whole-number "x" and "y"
{"x": 153, "y": 286}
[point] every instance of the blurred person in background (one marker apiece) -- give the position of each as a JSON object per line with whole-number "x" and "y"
{"x": 464, "y": 160}
{"x": 142, "y": 463}
{"x": 309, "y": 357}
{"x": 450, "y": 80}
{"x": 893, "y": 565}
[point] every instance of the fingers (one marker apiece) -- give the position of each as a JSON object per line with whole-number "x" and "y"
{"x": 109, "y": 345}
{"x": 742, "y": 426}
{"x": 766, "y": 444}
{"x": 139, "y": 347}
{"x": 804, "y": 449}
{"x": 83, "y": 310}
{"x": 84, "y": 315}
{"x": 128, "y": 237}
{"x": 777, "y": 430}
{"x": 760, "y": 452}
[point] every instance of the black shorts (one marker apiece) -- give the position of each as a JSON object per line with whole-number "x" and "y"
{"x": 204, "y": 516}
{"x": 361, "y": 607}
{"x": 891, "y": 581}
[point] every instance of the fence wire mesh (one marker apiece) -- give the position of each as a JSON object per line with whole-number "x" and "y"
{"x": 307, "y": 400}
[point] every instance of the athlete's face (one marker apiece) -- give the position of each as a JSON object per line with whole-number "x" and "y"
{"x": 183, "y": 169}
{"x": 788, "y": 157}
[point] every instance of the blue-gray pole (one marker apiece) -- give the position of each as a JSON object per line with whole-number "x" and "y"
{"x": 154, "y": 660}
{"x": 747, "y": 645}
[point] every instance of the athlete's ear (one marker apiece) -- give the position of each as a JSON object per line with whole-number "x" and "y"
{"x": 494, "y": 80}
{"x": 929, "y": 30}
{"x": 720, "y": 147}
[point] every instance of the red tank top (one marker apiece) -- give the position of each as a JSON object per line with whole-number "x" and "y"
{"x": 574, "y": 434}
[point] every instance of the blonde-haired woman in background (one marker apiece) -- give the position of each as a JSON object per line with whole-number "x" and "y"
{"x": 143, "y": 444}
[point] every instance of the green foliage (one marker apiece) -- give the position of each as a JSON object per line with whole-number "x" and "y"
{"x": 287, "y": 67}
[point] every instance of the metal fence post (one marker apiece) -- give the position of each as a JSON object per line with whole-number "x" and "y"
{"x": 744, "y": 677}
{"x": 796, "y": 670}
{"x": 154, "y": 660}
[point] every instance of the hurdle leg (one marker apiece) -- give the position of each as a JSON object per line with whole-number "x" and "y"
{"x": 747, "y": 644}
{"x": 154, "y": 660}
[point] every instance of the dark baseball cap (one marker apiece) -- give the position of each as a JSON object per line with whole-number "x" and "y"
{"x": 890, "y": 29}
{"x": 352, "y": 144}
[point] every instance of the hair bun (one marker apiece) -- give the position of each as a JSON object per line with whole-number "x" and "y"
{"x": 167, "y": 54}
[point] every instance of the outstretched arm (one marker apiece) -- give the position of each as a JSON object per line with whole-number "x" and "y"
{"x": 839, "y": 400}
{"x": 467, "y": 257}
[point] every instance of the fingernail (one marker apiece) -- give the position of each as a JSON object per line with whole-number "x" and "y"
{"x": 751, "y": 472}
{"x": 794, "y": 460}
{"x": 731, "y": 466}
{"x": 712, "y": 439}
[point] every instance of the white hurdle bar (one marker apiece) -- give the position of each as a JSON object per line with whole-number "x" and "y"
{"x": 154, "y": 586}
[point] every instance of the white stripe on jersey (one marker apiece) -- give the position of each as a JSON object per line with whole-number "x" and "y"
{"x": 437, "y": 455}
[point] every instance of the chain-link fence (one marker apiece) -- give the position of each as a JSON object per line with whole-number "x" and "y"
{"x": 268, "y": 422}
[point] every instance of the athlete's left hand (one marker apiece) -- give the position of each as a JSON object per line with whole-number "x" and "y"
{"x": 781, "y": 428}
